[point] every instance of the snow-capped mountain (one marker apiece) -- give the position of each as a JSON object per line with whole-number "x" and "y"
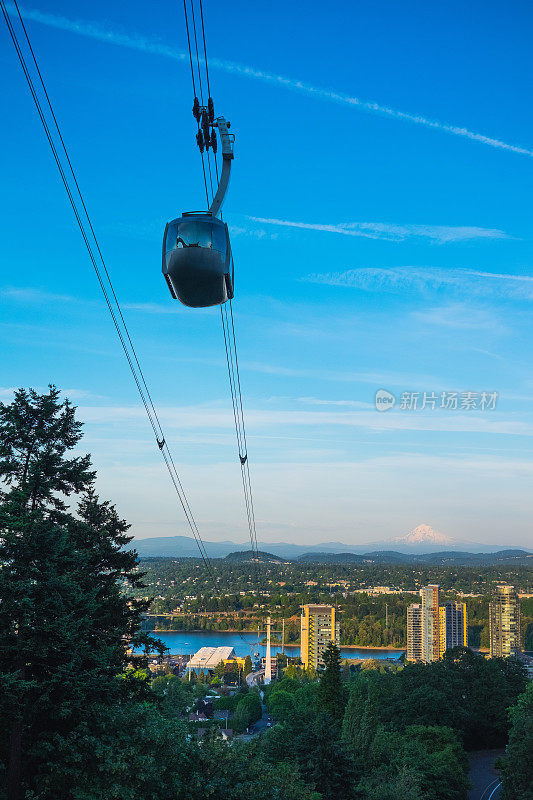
{"x": 422, "y": 535}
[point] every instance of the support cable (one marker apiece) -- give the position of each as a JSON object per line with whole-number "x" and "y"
{"x": 118, "y": 322}
{"x": 207, "y": 75}
{"x": 201, "y": 91}
{"x": 228, "y": 323}
{"x": 238, "y": 394}
{"x": 205, "y": 49}
{"x": 240, "y": 431}
{"x": 194, "y": 90}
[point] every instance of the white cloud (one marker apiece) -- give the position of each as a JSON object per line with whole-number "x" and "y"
{"x": 315, "y": 401}
{"x": 81, "y": 394}
{"x": 155, "y": 308}
{"x": 344, "y": 376}
{"x": 31, "y": 295}
{"x": 440, "y": 234}
{"x": 462, "y": 316}
{"x": 155, "y": 47}
{"x": 72, "y": 394}
{"x": 397, "y": 279}
{"x": 255, "y": 233}
{"x": 187, "y": 418}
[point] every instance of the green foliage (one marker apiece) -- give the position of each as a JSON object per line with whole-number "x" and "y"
{"x": 247, "y": 711}
{"x": 464, "y": 691}
{"x": 426, "y": 762}
{"x": 332, "y": 695}
{"x": 240, "y": 771}
{"x": 248, "y": 667}
{"x": 325, "y": 760}
{"x": 226, "y": 703}
{"x": 123, "y": 752}
{"x": 65, "y": 587}
{"x": 281, "y": 705}
{"x": 294, "y": 699}
{"x": 176, "y": 696}
{"x": 517, "y": 767}
{"x": 293, "y": 671}
{"x": 362, "y": 720}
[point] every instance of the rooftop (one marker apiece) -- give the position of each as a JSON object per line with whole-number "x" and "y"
{"x": 210, "y": 657}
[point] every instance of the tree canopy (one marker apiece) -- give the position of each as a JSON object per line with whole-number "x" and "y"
{"x": 65, "y": 609}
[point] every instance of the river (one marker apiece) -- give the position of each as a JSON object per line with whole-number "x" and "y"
{"x": 183, "y": 643}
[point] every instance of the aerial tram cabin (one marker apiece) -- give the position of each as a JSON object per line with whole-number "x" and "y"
{"x": 197, "y": 261}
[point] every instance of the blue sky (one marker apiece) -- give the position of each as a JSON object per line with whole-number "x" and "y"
{"x": 380, "y": 216}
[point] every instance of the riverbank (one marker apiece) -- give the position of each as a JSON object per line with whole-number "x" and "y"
{"x": 372, "y": 647}
{"x": 246, "y": 644}
{"x": 278, "y": 643}
{"x": 343, "y": 646}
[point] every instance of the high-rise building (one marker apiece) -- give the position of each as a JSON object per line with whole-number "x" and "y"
{"x": 414, "y": 632}
{"x": 504, "y": 619}
{"x": 430, "y": 623}
{"x": 433, "y": 629}
{"x": 453, "y": 627}
{"x": 319, "y": 627}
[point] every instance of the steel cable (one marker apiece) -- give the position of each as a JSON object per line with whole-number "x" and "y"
{"x": 122, "y": 332}
{"x": 228, "y": 324}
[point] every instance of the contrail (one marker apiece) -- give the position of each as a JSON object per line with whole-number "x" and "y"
{"x": 145, "y": 45}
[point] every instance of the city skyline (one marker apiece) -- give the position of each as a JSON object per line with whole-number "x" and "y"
{"x": 399, "y": 262}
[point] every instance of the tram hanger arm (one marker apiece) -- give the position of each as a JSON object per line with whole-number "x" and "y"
{"x": 226, "y": 139}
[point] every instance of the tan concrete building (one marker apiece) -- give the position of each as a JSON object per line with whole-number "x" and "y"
{"x": 423, "y": 628}
{"x": 318, "y": 627}
{"x": 504, "y": 620}
{"x": 430, "y": 623}
{"x": 414, "y": 632}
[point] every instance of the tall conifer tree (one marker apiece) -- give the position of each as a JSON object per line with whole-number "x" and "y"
{"x": 332, "y": 696}
{"x": 65, "y": 610}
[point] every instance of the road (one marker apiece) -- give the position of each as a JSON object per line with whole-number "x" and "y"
{"x": 483, "y": 776}
{"x": 253, "y": 677}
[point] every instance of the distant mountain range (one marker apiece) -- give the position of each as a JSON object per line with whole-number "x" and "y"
{"x": 450, "y": 557}
{"x": 446, "y": 558}
{"x": 422, "y": 541}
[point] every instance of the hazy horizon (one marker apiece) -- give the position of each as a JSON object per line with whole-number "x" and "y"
{"x": 245, "y": 543}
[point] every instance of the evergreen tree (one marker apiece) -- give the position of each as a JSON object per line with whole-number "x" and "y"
{"x": 63, "y": 617}
{"x": 369, "y": 723}
{"x": 248, "y": 668}
{"x": 517, "y": 767}
{"x": 332, "y": 695}
{"x": 324, "y": 759}
{"x": 353, "y": 715}
{"x": 281, "y": 705}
